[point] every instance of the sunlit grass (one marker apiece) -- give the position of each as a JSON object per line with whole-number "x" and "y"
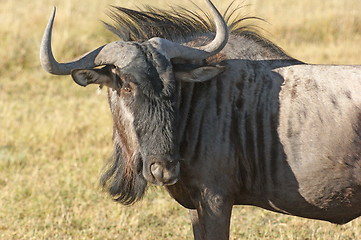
{"x": 55, "y": 136}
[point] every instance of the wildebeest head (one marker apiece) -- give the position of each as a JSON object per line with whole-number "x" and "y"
{"x": 142, "y": 95}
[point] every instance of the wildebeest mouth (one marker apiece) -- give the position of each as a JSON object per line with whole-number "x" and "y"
{"x": 161, "y": 170}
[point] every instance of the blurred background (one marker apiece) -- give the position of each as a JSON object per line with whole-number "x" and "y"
{"x": 56, "y": 136}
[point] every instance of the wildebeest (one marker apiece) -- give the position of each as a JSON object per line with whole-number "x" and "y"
{"x": 223, "y": 119}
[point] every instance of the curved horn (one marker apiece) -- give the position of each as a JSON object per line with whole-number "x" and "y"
{"x": 47, "y": 60}
{"x": 175, "y": 50}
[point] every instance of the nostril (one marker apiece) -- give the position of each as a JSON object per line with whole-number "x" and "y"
{"x": 163, "y": 175}
{"x": 157, "y": 172}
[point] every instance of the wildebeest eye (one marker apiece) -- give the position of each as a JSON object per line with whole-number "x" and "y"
{"x": 126, "y": 89}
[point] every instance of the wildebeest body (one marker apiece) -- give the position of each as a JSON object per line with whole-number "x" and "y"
{"x": 276, "y": 139}
{"x": 246, "y": 124}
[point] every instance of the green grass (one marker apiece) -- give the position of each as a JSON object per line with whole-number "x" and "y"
{"x": 55, "y": 136}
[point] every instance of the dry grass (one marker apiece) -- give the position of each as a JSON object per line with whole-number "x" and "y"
{"x": 55, "y": 137}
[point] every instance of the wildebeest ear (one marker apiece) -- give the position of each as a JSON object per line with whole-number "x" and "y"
{"x": 84, "y": 77}
{"x": 200, "y": 74}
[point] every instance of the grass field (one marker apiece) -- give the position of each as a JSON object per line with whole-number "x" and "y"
{"x": 55, "y": 136}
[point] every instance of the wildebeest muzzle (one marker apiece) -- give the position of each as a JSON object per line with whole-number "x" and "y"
{"x": 161, "y": 170}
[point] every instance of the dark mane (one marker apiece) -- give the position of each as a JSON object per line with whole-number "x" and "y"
{"x": 175, "y": 24}
{"x": 181, "y": 24}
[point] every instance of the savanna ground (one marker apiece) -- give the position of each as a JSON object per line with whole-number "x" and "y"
{"x": 56, "y": 136}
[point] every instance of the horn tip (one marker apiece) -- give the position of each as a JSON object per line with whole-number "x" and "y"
{"x": 54, "y": 11}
